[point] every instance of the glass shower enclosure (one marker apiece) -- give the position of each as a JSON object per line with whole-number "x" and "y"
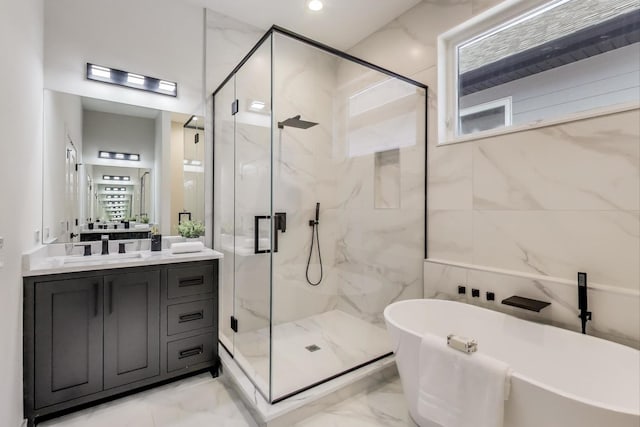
{"x": 319, "y": 209}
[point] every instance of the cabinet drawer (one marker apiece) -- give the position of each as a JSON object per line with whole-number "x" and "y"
{"x": 189, "y": 316}
{"x": 192, "y": 280}
{"x": 190, "y": 351}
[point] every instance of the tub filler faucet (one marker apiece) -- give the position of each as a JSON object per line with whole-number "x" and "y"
{"x": 584, "y": 315}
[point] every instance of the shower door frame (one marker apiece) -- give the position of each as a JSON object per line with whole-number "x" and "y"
{"x": 268, "y": 36}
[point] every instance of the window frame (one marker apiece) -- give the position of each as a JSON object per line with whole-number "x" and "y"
{"x": 447, "y": 46}
{"x": 496, "y": 103}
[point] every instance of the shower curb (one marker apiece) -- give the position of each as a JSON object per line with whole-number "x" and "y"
{"x": 307, "y": 403}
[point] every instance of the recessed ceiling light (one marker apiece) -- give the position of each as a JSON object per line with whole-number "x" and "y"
{"x": 315, "y": 5}
{"x": 257, "y": 106}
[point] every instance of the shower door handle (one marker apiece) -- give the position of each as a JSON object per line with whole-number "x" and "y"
{"x": 256, "y": 235}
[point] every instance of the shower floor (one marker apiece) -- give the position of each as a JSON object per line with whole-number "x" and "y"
{"x": 309, "y": 350}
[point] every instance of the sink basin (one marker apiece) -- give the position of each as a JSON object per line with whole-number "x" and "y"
{"x": 79, "y": 259}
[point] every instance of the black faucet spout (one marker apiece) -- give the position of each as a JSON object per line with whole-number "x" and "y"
{"x": 105, "y": 244}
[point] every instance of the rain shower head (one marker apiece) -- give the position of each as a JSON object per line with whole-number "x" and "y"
{"x": 295, "y": 122}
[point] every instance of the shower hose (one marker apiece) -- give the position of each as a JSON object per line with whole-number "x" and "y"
{"x": 314, "y": 236}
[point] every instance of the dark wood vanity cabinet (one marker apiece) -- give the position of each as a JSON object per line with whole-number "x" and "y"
{"x": 93, "y": 335}
{"x": 131, "y": 327}
{"x": 68, "y": 342}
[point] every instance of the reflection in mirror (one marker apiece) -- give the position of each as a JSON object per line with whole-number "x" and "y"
{"x": 103, "y": 169}
{"x": 194, "y": 169}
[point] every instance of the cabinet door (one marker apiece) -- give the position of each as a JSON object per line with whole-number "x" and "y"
{"x": 68, "y": 339}
{"x": 131, "y": 327}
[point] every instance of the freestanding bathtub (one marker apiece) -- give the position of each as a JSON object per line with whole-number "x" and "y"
{"x": 560, "y": 378}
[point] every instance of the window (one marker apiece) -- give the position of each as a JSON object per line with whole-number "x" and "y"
{"x": 515, "y": 66}
{"x": 481, "y": 117}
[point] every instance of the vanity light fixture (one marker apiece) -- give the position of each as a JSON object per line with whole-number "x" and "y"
{"x": 116, "y": 178}
{"x": 114, "y": 76}
{"x": 135, "y": 79}
{"x": 315, "y": 5}
{"x": 115, "y": 197}
{"x": 118, "y": 156}
{"x": 115, "y": 189}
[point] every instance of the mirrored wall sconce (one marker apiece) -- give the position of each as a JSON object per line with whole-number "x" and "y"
{"x": 119, "y": 156}
{"x": 104, "y": 74}
{"x": 116, "y": 178}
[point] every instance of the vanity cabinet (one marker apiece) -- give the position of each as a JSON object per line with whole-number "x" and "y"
{"x": 68, "y": 343}
{"x": 96, "y": 334}
{"x": 131, "y": 327}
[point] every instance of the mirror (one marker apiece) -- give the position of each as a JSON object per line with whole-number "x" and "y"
{"x": 118, "y": 169}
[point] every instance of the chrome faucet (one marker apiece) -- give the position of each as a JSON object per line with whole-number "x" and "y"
{"x": 583, "y": 305}
{"x": 105, "y": 244}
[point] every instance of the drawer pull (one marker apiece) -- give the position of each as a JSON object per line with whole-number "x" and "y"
{"x": 191, "y": 281}
{"x": 190, "y": 317}
{"x": 191, "y": 352}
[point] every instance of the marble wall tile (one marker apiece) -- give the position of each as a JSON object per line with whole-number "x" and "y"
{"x": 443, "y": 278}
{"x": 378, "y": 261}
{"x": 582, "y": 165}
{"x": 561, "y": 243}
{"x": 407, "y": 44}
{"x": 450, "y": 177}
{"x": 479, "y": 6}
{"x": 450, "y": 235}
{"x": 228, "y": 41}
{"x": 615, "y": 313}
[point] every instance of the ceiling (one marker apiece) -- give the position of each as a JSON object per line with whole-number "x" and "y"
{"x": 340, "y": 24}
{"x": 93, "y": 104}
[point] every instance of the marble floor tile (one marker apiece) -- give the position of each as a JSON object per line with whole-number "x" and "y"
{"x": 344, "y": 341}
{"x": 383, "y": 406}
{"x": 205, "y": 401}
{"x": 196, "y": 401}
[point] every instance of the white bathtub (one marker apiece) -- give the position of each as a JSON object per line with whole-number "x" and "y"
{"x": 560, "y": 378}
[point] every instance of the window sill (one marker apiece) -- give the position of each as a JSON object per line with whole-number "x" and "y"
{"x": 542, "y": 123}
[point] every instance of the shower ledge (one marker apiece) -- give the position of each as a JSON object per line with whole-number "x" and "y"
{"x": 309, "y": 402}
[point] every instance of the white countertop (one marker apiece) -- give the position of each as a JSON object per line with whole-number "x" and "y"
{"x": 116, "y": 230}
{"x": 43, "y": 265}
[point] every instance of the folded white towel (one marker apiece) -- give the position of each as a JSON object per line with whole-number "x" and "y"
{"x": 141, "y": 226}
{"x": 186, "y": 247}
{"x": 459, "y": 389}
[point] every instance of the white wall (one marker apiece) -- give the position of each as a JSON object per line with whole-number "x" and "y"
{"x": 20, "y": 171}
{"x": 118, "y": 133}
{"x": 157, "y": 38}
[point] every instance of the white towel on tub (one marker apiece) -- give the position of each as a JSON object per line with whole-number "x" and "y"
{"x": 459, "y": 389}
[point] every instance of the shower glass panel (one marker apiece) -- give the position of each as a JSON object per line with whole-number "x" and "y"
{"x": 326, "y": 155}
{"x": 244, "y": 154}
